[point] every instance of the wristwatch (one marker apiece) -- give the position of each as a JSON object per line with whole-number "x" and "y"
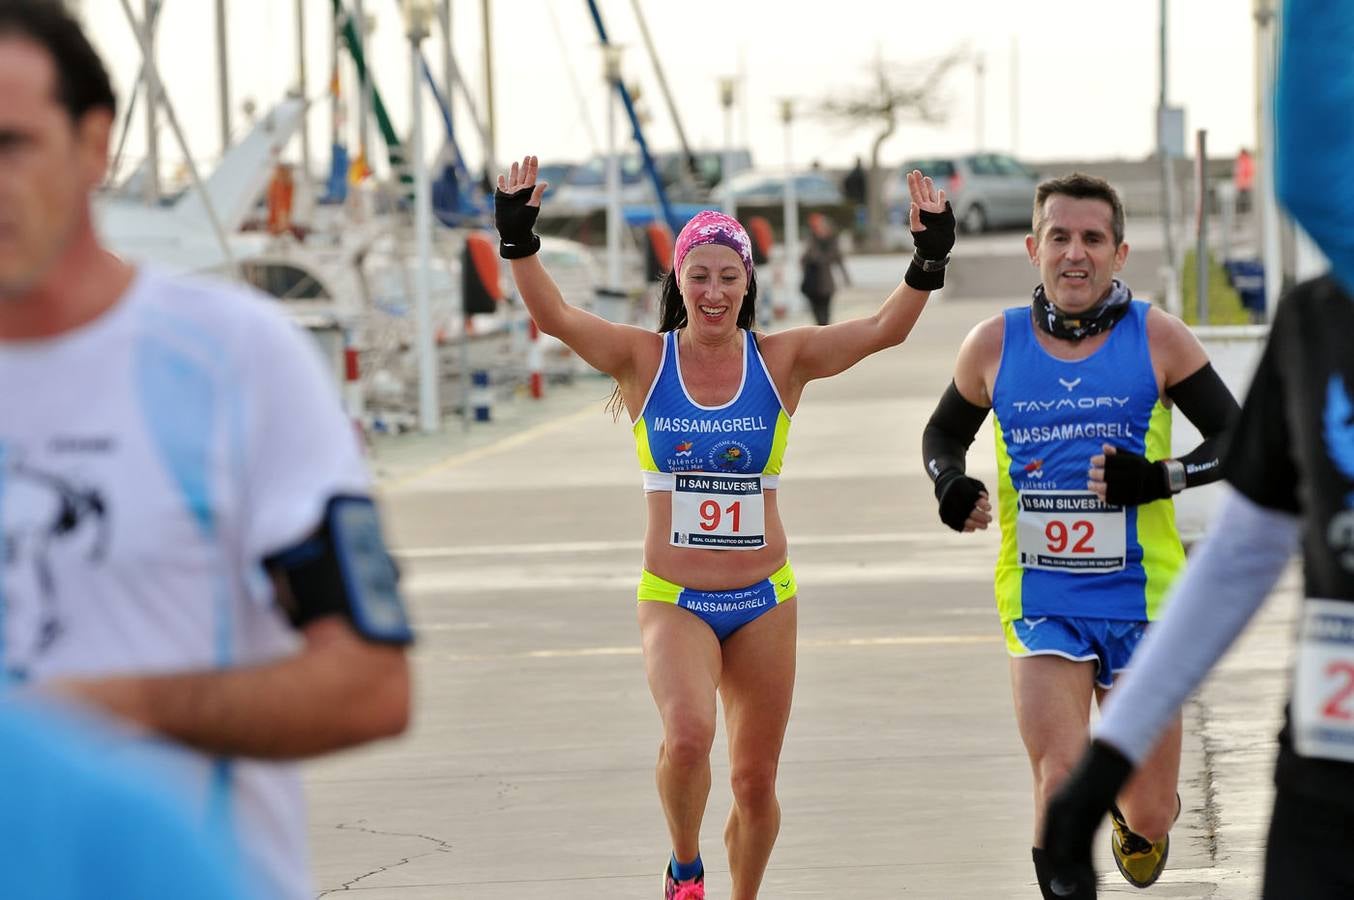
{"x": 930, "y": 265}
{"x": 1175, "y": 475}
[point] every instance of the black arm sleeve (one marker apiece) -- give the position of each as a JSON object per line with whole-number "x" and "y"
{"x": 1212, "y": 409}
{"x": 949, "y": 433}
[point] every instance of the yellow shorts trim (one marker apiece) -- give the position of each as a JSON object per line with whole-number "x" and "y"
{"x": 651, "y": 587}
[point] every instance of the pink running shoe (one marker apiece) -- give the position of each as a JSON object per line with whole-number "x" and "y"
{"x": 693, "y": 889}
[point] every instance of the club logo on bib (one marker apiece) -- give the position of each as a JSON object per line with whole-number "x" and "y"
{"x": 730, "y": 456}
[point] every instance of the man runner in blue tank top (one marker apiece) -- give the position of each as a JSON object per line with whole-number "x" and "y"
{"x": 1081, "y": 383}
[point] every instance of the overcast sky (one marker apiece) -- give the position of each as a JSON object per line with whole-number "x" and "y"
{"x": 1063, "y": 79}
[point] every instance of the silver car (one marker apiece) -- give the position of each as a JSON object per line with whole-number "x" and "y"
{"x": 811, "y": 188}
{"x": 987, "y": 190}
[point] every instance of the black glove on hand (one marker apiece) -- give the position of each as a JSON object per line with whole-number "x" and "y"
{"x": 958, "y": 494}
{"x": 937, "y": 240}
{"x": 515, "y": 221}
{"x": 933, "y": 245}
{"x": 1074, "y": 815}
{"x": 1131, "y": 480}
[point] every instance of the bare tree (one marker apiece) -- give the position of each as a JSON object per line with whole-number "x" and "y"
{"x": 895, "y": 93}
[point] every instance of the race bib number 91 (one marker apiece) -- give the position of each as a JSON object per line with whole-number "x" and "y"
{"x": 1323, "y": 681}
{"x": 1070, "y": 531}
{"x": 722, "y": 512}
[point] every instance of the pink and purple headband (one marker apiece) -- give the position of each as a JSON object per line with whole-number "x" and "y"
{"x": 711, "y": 227}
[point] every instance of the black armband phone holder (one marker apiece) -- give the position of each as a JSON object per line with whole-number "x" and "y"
{"x": 345, "y": 569}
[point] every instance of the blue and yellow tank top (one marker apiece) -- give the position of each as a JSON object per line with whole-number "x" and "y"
{"x": 1063, "y": 553}
{"x": 745, "y": 436}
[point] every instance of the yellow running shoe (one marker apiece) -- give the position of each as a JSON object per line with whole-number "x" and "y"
{"x": 1139, "y": 860}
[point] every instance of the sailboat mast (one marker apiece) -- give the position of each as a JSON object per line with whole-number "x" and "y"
{"x": 363, "y": 81}
{"x": 448, "y": 64}
{"x": 223, "y": 74}
{"x": 688, "y": 157}
{"x": 619, "y": 86}
{"x": 152, "y": 183}
{"x": 301, "y": 87}
{"x": 335, "y": 81}
{"x": 490, "y": 129}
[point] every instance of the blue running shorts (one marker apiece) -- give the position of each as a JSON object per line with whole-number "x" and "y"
{"x": 724, "y": 611}
{"x": 1108, "y": 642}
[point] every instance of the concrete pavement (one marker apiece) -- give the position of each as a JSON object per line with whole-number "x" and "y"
{"x": 529, "y": 771}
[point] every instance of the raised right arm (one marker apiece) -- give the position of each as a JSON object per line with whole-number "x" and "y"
{"x": 609, "y": 347}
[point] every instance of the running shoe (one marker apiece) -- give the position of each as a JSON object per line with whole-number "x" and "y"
{"x": 692, "y": 889}
{"x": 1139, "y": 860}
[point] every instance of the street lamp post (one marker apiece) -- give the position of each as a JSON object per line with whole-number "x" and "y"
{"x": 418, "y": 15}
{"x": 1014, "y": 101}
{"x": 1170, "y": 271}
{"x": 611, "y": 71}
{"x": 726, "y": 89}
{"x": 979, "y": 95}
{"x": 791, "y": 216}
{"x": 1271, "y": 250}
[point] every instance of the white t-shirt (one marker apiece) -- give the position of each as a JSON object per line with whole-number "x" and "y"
{"x": 149, "y": 461}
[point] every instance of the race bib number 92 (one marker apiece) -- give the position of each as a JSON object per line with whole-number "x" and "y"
{"x": 1070, "y": 531}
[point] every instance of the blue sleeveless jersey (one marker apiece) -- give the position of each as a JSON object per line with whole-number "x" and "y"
{"x": 1051, "y": 417}
{"x": 745, "y": 436}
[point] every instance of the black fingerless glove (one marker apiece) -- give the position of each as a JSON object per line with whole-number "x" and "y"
{"x": 515, "y": 221}
{"x": 1074, "y": 815}
{"x": 932, "y": 254}
{"x": 958, "y": 494}
{"x": 1132, "y": 480}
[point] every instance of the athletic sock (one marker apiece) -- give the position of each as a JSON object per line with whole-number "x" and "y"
{"x": 686, "y": 871}
{"x": 1042, "y": 873}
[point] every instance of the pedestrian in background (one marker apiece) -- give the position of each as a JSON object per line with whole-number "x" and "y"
{"x": 855, "y": 188}
{"x": 821, "y": 253}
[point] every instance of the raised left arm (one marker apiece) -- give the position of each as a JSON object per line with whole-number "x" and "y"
{"x": 828, "y": 350}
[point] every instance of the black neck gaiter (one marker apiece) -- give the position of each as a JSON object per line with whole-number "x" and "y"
{"x": 1074, "y": 327}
